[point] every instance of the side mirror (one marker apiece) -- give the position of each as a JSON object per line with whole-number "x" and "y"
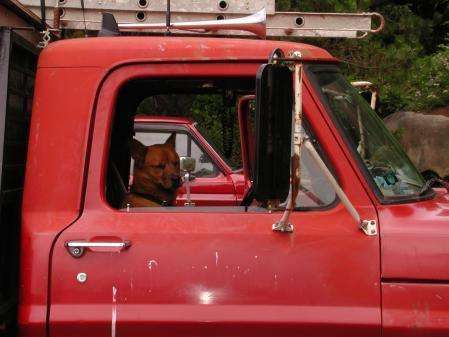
{"x": 187, "y": 164}
{"x": 273, "y": 132}
{"x": 369, "y": 92}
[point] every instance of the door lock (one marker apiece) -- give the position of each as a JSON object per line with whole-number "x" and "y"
{"x": 76, "y": 251}
{"x": 81, "y": 277}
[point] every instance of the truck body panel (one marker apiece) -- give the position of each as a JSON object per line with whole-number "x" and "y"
{"x": 107, "y": 52}
{"x": 414, "y": 309}
{"x": 414, "y": 240}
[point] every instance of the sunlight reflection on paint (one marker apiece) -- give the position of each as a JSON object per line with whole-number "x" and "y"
{"x": 206, "y": 297}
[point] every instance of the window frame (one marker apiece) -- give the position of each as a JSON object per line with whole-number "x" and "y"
{"x": 104, "y": 111}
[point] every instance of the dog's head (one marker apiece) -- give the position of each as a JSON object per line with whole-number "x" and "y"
{"x": 156, "y": 166}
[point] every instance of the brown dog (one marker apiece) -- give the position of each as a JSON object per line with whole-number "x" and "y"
{"x": 156, "y": 174}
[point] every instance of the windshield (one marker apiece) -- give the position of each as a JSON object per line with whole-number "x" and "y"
{"x": 385, "y": 160}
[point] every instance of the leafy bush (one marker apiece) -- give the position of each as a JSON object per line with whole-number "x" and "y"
{"x": 428, "y": 85}
{"x": 408, "y": 60}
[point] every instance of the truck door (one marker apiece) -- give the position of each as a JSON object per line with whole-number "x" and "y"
{"x": 221, "y": 271}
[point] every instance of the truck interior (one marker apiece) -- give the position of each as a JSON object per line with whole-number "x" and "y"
{"x": 212, "y": 105}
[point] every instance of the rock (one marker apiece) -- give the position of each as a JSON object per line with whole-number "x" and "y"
{"x": 443, "y": 111}
{"x": 425, "y": 138}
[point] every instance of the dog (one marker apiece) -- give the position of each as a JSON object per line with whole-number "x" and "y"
{"x": 156, "y": 175}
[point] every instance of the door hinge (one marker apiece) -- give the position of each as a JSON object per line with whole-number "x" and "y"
{"x": 369, "y": 227}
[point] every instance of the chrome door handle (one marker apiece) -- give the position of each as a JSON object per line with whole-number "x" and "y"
{"x": 77, "y": 248}
{"x": 85, "y": 244}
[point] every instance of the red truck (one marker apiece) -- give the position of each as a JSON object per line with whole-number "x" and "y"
{"x": 90, "y": 267}
{"x": 219, "y": 270}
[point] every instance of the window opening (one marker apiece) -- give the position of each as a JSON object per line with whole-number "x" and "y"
{"x": 158, "y": 121}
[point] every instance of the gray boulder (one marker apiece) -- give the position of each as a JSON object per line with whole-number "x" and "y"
{"x": 425, "y": 138}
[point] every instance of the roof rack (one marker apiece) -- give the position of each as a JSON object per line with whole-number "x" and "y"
{"x": 133, "y": 15}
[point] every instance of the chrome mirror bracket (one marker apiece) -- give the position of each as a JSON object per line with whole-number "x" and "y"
{"x": 283, "y": 227}
{"x": 369, "y": 227}
{"x": 187, "y": 165}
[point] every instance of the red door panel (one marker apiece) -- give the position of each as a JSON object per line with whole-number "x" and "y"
{"x": 230, "y": 270}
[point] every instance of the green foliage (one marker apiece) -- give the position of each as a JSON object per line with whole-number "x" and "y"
{"x": 206, "y": 110}
{"x": 429, "y": 82}
{"x": 407, "y": 61}
{"x": 218, "y": 123}
{"x": 322, "y": 6}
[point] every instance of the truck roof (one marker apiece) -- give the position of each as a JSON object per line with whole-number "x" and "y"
{"x": 105, "y": 52}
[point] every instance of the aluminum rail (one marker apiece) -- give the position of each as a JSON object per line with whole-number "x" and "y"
{"x": 279, "y": 24}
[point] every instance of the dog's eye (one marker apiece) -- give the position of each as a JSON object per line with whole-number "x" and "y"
{"x": 160, "y": 166}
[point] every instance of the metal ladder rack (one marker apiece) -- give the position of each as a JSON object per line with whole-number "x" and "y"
{"x": 68, "y": 14}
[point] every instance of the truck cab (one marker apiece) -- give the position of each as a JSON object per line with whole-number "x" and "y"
{"x": 93, "y": 267}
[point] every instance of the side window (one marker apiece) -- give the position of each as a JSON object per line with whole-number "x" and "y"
{"x": 153, "y": 129}
{"x": 205, "y": 168}
{"x": 315, "y": 190}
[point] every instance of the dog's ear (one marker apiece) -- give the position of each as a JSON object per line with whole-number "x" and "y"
{"x": 171, "y": 140}
{"x": 138, "y": 152}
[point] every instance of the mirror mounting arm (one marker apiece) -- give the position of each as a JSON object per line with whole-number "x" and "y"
{"x": 187, "y": 165}
{"x": 369, "y": 227}
{"x": 283, "y": 225}
{"x": 187, "y": 179}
